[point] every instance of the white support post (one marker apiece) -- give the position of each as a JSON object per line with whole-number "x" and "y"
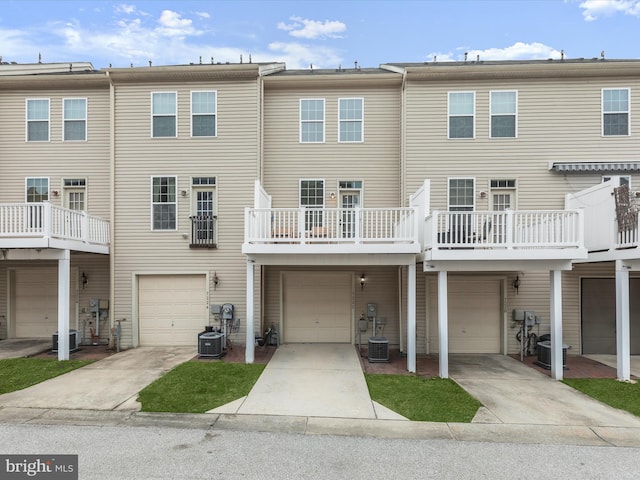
{"x": 411, "y": 317}
{"x": 443, "y": 325}
{"x": 64, "y": 280}
{"x": 555, "y": 282}
{"x": 250, "y": 337}
{"x": 623, "y": 352}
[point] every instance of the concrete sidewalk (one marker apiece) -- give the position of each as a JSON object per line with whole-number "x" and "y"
{"x": 111, "y": 383}
{"x": 516, "y": 394}
{"x": 311, "y": 380}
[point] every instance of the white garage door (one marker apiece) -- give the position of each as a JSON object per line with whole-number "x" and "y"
{"x": 172, "y": 309}
{"x": 317, "y": 307}
{"x": 36, "y": 302}
{"x": 474, "y": 316}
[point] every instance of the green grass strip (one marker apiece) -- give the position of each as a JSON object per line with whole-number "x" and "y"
{"x": 423, "y": 399}
{"x": 622, "y": 395}
{"x": 196, "y": 387}
{"x": 19, "y": 373}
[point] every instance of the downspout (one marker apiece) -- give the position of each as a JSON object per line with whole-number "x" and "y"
{"x": 403, "y": 139}
{"x": 112, "y": 202}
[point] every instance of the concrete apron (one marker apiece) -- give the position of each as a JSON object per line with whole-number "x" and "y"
{"x": 516, "y": 394}
{"x": 23, "y": 347}
{"x": 310, "y": 380}
{"x": 108, "y": 384}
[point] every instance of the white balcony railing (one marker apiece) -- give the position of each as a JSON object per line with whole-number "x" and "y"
{"x": 330, "y": 225}
{"x": 506, "y": 229}
{"x": 44, "y": 220}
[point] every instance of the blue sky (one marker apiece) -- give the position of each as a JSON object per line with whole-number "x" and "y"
{"x": 325, "y": 34}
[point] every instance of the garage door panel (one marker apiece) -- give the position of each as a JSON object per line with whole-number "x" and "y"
{"x": 171, "y": 309}
{"x": 474, "y": 316}
{"x": 317, "y": 307}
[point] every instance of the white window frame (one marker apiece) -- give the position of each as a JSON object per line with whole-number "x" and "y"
{"x": 65, "y": 120}
{"x": 514, "y": 114}
{"x": 322, "y": 122}
{"x": 214, "y": 113}
{"x": 628, "y": 112}
{"x": 347, "y": 120}
{"x": 27, "y": 120}
{"x": 618, "y": 179}
{"x": 175, "y": 203}
{"x": 320, "y": 207}
{"x": 74, "y": 185}
{"x": 26, "y": 187}
{"x": 472, "y": 115}
{"x": 473, "y": 205}
{"x": 174, "y": 115}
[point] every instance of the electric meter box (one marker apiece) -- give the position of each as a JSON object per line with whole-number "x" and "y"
{"x": 518, "y": 315}
{"x": 372, "y": 310}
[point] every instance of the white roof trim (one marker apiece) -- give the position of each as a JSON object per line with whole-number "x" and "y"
{"x": 595, "y": 166}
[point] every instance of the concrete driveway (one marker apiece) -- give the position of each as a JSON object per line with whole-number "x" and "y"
{"x": 611, "y": 361}
{"x": 513, "y": 393}
{"x": 108, "y": 384}
{"x": 23, "y": 347}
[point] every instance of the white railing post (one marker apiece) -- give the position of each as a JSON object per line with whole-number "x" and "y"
{"x": 301, "y": 225}
{"x": 86, "y": 233}
{"x": 358, "y": 225}
{"x": 46, "y": 219}
{"x": 247, "y": 227}
{"x": 510, "y": 229}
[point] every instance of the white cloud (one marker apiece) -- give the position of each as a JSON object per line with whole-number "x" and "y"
{"x": 203, "y": 14}
{"x": 297, "y": 55}
{"x": 172, "y": 24}
{"x": 594, "y": 9}
{"x": 124, "y": 8}
{"x": 517, "y": 51}
{"x": 304, "y": 28}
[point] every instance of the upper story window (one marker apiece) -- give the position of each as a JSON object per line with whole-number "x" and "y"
{"x": 203, "y": 114}
{"x": 163, "y": 203}
{"x": 37, "y": 189}
{"x": 75, "y": 119}
{"x": 615, "y": 111}
{"x": 462, "y": 111}
{"x": 38, "y": 120}
{"x": 461, "y": 194}
{"x": 312, "y": 120}
{"x": 351, "y": 119}
{"x": 163, "y": 111}
{"x": 503, "y": 114}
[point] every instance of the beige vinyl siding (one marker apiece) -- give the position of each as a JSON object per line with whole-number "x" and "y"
{"x": 558, "y": 121}
{"x": 381, "y": 288}
{"x": 231, "y": 157}
{"x": 56, "y": 159}
{"x": 375, "y": 161}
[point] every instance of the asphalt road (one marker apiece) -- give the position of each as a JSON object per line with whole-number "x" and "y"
{"x": 113, "y": 453}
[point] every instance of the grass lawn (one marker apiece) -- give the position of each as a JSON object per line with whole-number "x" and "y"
{"x": 195, "y": 387}
{"x": 423, "y": 399}
{"x": 19, "y": 373}
{"x": 622, "y": 395}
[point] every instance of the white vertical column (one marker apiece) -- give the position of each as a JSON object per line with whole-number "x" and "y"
{"x": 555, "y": 282}
{"x": 250, "y": 337}
{"x": 443, "y": 325}
{"x": 411, "y": 317}
{"x": 623, "y": 352}
{"x": 64, "y": 279}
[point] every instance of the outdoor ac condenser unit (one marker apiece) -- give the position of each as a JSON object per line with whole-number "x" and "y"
{"x": 211, "y": 344}
{"x": 378, "y": 349}
{"x": 73, "y": 341}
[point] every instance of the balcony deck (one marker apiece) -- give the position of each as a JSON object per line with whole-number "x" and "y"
{"x": 43, "y": 225}
{"x": 504, "y": 238}
{"x": 285, "y": 231}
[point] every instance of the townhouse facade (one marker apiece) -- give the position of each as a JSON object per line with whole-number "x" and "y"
{"x": 448, "y": 196}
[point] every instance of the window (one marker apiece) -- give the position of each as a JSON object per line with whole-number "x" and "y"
{"x": 163, "y": 203}
{"x": 37, "y": 190}
{"x": 503, "y": 114}
{"x": 462, "y": 110}
{"x": 461, "y": 194}
{"x": 615, "y": 111}
{"x": 74, "y": 193}
{"x": 203, "y": 114}
{"x": 38, "y": 120}
{"x": 75, "y": 119}
{"x": 350, "y": 119}
{"x": 619, "y": 180}
{"x": 163, "y": 110}
{"x": 312, "y": 197}
{"x": 312, "y": 120}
